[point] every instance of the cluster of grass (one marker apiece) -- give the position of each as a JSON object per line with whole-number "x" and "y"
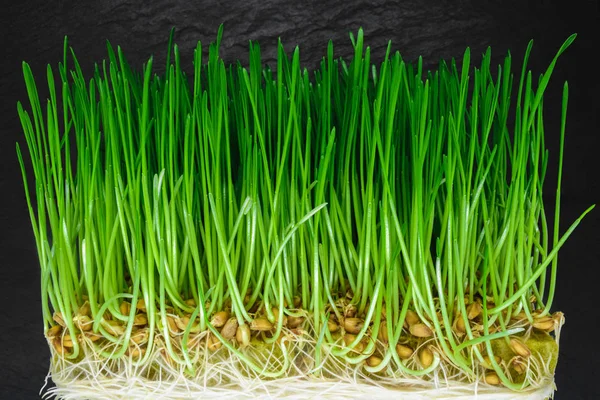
{"x": 391, "y": 191}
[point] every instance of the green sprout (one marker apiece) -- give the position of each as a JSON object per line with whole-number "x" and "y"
{"x": 357, "y": 229}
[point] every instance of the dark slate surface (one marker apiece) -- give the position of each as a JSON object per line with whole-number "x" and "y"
{"x": 435, "y": 29}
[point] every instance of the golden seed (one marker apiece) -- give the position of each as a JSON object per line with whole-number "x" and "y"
{"x": 519, "y": 347}
{"x": 383, "y": 332}
{"x": 140, "y": 320}
{"x": 83, "y": 322}
{"x": 420, "y": 330}
{"x": 191, "y": 302}
{"x": 294, "y": 322}
{"x": 219, "y": 319}
{"x": 276, "y": 314}
{"x": 350, "y": 311}
{"x": 373, "y": 361}
{"x": 67, "y": 341}
{"x": 182, "y": 322}
{"x": 383, "y": 314}
{"x": 140, "y": 336}
{"x": 194, "y": 340}
{"x": 426, "y": 357}
{"x": 518, "y": 365}
{"x": 492, "y": 379}
{"x": 487, "y": 363}
{"x": 545, "y": 324}
{"x": 58, "y": 318}
{"x": 213, "y": 343}
{"x": 404, "y": 351}
{"x": 412, "y": 318}
{"x": 459, "y": 324}
{"x": 94, "y": 337}
{"x": 56, "y": 343}
{"x": 53, "y": 331}
{"x": 297, "y": 301}
{"x": 332, "y": 326}
{"x": 141, "y": 305}
{"x": 242, "y": 335}
{"x": 349, "y": 338}
{"x": 85, "y": 309}
{"x": 125, "y": 307}
{"x": 135, "y": 351}
{"x": 353, "y": 325}
{"x": 473, "y": 310}
{"x": 261, "y": 324}
{"x": 230, "y": 328}
{"x": 113, "y": 328}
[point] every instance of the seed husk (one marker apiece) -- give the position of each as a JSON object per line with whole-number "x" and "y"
{"x": 277, "y": 315}
{"x": 58, "y": 318}
{"x": 53, "y": 331}
{"x": 545, "y": 324}
{"x": 349, "y": 338}
{"x": 294, "y": 322}
{"x": 373, "y": 361}
{"x": 518, "y": 364}
{"x": 113, "y": 327}
{"x": 420, "y": 330}
{"x": 350, "y": 311}
{"x": 426, "y": 357}
{"x": 94, "y": 337}
{"x": 67, "y": 341}
{"x": 382, "y": 335}
{"x": 140, "y": 320}
{"x": 459, "y": 325}
{"x": 404, "y": 351}
{"x": 242, "y": 335}
{"x": 136, "y": 351}
{"x": 261, "y": 324}
{"x": 56, "y": 343}
{"x": 190, "y": 302}
{"x": 474, "y": 310}
{"x": 230, "y": 328}
{"x": 519, "y": 348}
{"x": 353, "y": 325}
{"x": 297, "y": 301}
{"x": 173, "y": 329}
{"x": 219, "y": 319}
{"x": 491, "y": 378}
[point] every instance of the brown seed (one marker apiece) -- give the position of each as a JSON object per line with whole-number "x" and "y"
{"x": 94, "y": 337}
{"x": 426, "y": 357}
{"x": 213, "y": 343}
{"x": 125, "y": 307}
{"x": 350, "y": 311}
{"x": 85, "y": 309}
{"x": 230, "y": 328}
{"x": 83, "y": 322}
{"x": 404, "y": 351}
{"x": 182, "y": 322}
{"x": 242, "y": 335}
{"x": 559, "y": 318}
{"x": 194, "y": 340}
{"x": 473, "y": 310}
{"x": 56, "y": 343}
{"x": 353, "y": 325}
{"x": 519, "y": 365}
{"x": 383, "y": 314}
{"x": 219, "y": 319}
{"x": 141, "y": 305}
{"x": 140, "y": 336}
{"x": 261, "y": 324}
{"x": 382, "y": 335}
{"x": 491, "y": 378}
{"x": 412, "y": 318}
{"x": 544, "y": 324}
{"x": 140, "y": 320}
{"x": 420, "y": 330}
{"x": 519, "y": 348}
{"x": 332, "y": 326}
{"x": 58, "y": 318}
{"x": 53, "y": 331}
{"x": 295, "y": 322}
{"x": 373, "y": 361}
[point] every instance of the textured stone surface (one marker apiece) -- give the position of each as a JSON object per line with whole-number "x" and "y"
{"x": 435, "y": 29}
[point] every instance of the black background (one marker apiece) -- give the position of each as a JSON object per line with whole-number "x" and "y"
{"x": 34, "y": 31}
